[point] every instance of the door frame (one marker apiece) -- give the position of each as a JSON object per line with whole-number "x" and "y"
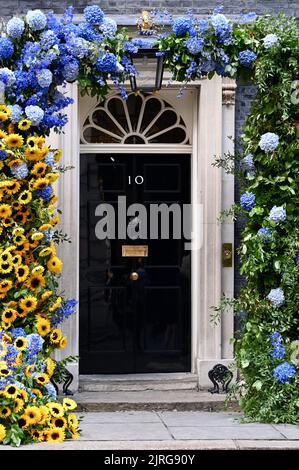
{"x": 213, "y": 121}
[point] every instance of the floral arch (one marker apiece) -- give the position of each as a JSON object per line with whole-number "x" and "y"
{"x": 39, "y": 54}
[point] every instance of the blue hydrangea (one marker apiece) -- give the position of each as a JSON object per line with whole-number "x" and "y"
{"x": 107, "y": 63}
{"x": 297, "y": 258}
{"x": 246, "y": 58}
{"x": 194, "y": 45}
{"x": 270, "y": 40}
{"x": 87, "y": 31}
{"x": 3, "y": 155}
{"x": 183, "y": 25}
{"x": 268, "y": 142}
{"x": 265, "y": 233}
{"x": 34, "y": 344}
{"x": 51, "y": 390}
{"x": 278, "y": 351}
{"x": 71, "y": 70}
{"x": 7, "y": 76}
{"x": 11, "y": 354}
{"x": 247, "y": 163}
{"x": 19, "y": 171}
{"x": 248, "y": 17}
{"x": 16, "y": 113}
{"x": 284, "y": 372}
{"x": 49, "y": 159}
{"x": 6, "y": 48}
{"x": 109, "y": 27}
{"x": 247, "y": 201}
{"x": 45, "y": 193}
{"x": 93, "y": 14}
{"x": 18, "y": 332}
{"x": 48, "y": 234}
{"x": 79, "y": 47}
{"x": 48, "y": 39}
{"x": 44, "y": 78}
{"x": 276, "y": 297}
{"x": 277, "y": 214}
{"x": 15, "y": 27}
{"x": 35, "y": 114}
{"x": 222, "y": 28}
{"x": 36, "y": 20}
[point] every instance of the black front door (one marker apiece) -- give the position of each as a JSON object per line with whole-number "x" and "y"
{"x": 135, "y": 294}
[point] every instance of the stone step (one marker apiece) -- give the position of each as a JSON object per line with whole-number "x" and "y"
{"x": 153, "y": 400}
{"x": 138, "y": 382}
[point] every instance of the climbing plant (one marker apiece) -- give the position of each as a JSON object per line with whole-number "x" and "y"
{"x": 39, "y": 54}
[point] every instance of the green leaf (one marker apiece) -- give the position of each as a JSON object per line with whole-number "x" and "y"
{"x": 257, "y": 385}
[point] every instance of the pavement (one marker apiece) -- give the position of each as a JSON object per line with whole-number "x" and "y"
{"x": 180, "y": 430}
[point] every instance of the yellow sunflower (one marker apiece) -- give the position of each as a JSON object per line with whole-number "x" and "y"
{"x": 44, "y": 227}
{"x": 56, "y": 409}
{"x": 62, "y": 343}
{"x": 33, "y": 154}
{"x": 2, "y": 135}
{"x": 56, "y": 336}
{"x": 13, "y": 188}
{"x": 55, "y": 435}
{"x": 58, "y": 423}
{"x": 29, "y": 303}
{"x": 29, "y": 370}
{"x": 37, "y": 236}
{"x": 32, "y": 141}
{"x": 19, "y": 405}
{"x": 45, "y": 296}
{"x": 5, "y": 412}
{"x": 11, "y": 391}
{"x": 9, "y": 315}
{"x": 57, "y": 155}
{"x": 20, "y": 343}
{"x": 5, "y": 285}
{"x": 4, "y": 371}
{"x": 25, "y": 197}
{"x": 55, "y": 305}
{"x": 33, "y": 414}
{"x": 10, "y": 128}
{"x": 54, "y": 220}
{"x": 37, "y": 392}
{"x": 45, "y": 252}
{"x": 21, "y": 312}
{"x": 43, "y": 326}
{"x": 38, "y": 270}
{"x": 16, "y": 260}
{"x": 39, "y": 169}
{"x": 14, "y": 140}
{"x": 24, "y": 125}
{"x": 42, "y": 379}
{"x": 5, "y": 211}
{"x": 74, "y": 433}
{"x": 72, "y": 420}
{"x": 23, "y": 395}
{"x": 69, "y": 404}
{"x": 40, "y": 183}
{"x": 19, "y": 239}
{"x": 44, "y": 411}
{"x": 5, "y": 267}
{"x": 54, "y": 264}
{"x": 22, "y": 272}
{"x": 50, "y": 366}
{"x": 35, "y": 282}
{"x": 2, "y": 432}
{"x": 52, "y": 177}
{"x": 23, "y": 422}
{"x": 3, "y": 116}
{"x": 7, "y": 222}
{"x": 16, "y": 206}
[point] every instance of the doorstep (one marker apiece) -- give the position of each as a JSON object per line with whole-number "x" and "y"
{"x": 154, "y": 400}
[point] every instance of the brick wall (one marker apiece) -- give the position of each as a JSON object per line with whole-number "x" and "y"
{"x": 244, "y": 94}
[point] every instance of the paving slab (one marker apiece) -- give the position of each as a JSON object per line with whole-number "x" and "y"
{"x": 199, "y": 418}
{"x": 290, "y": 431}
{"x": 120, "y": 417}
{"x": 124, "y": 432}
{"x": 243, "y": 431}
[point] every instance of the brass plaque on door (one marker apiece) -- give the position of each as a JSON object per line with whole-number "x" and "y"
{"x": 140, "y": 251}
{"x": 227, "y": 255}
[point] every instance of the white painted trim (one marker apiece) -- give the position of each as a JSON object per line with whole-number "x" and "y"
{"x": 139, "y": 148}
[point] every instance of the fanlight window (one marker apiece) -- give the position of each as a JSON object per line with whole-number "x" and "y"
{"x": 142, "y": 119}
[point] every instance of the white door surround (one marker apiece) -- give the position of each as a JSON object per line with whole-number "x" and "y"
{"x": 207, "y": 110}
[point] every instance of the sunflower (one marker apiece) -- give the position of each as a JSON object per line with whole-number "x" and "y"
{"x": 21, "y": 311}
{"x": 19, "y": 405}
{"x": 7, "y": 222}
{"x": 54, "y": 264}
{"x": 56, "y": 409}
{"x": 2, "y": 432}
{"x": 22, "y": 272}
{"x": 16, "y": 260}
{"x": 9, "y": 315}
{"x": 42, "y": 379}
{"x": 39, "y": 169}
{"x": 5, "y": 285}
{"x": 5, "y": 267}
{"x": 32, "y": 141}
{"x": 58, "y": 423}
{"x": 20, "y": 218}
{"x": 35, "y": 281}
{"x": 19, "y": 239}
{"x": 74, "y": 433}
{"x": 55, "y": 305}
{"x": 3, "y": 116}
{"x": 23, "y": 395}
{"x": 37, "y": 392}
{"x": 4, "y": 371}
{"x": 37, "y": 435}
{"x": 33, "y": 154}
{"x": 37, "y": 236}
{"x": 45, "y": 252}
{"x": 18, "y": 360}
{"x": 16, "y": 206}
{"x": 46, "y": 295}
{"x": 20, "y": 343}
{"x": 25, "y": 197}
{"x": 5, "y": 412}
{"x": 14, "y": 140}
{"x": 72, "y": 420}
{"x": 11, "y": 391}
{"x": 55, "y": 435}
{"x": 50, "y": 366}
{"x": 54, "y": 220}
{"x": 2, "y": 134}
{"x": 69, "y": 404}
{"x": 13, "y": 188}
{"x": 43, "y": 326}
{"x": 52, "y": 177}
{"x": 24, "y": 125}
{"x": 56, "y": 336}
{"x": 10, "y": 128}
{"x": 44, "y": 411}
{"x": 23, "y": 422}
{"x": 38, "y": 270}
{"x": 62, "y": 343}
{"x": 40, "y": 183}
{"x": 57, "y": 155}
{"x": 29, "y": 303}
{"x": 44, "y": 227}
{"x": 5, "y": 211}
{"x": 33, "y": 414}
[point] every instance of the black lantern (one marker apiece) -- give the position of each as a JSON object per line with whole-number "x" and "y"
{"x": 149, "y": 66}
